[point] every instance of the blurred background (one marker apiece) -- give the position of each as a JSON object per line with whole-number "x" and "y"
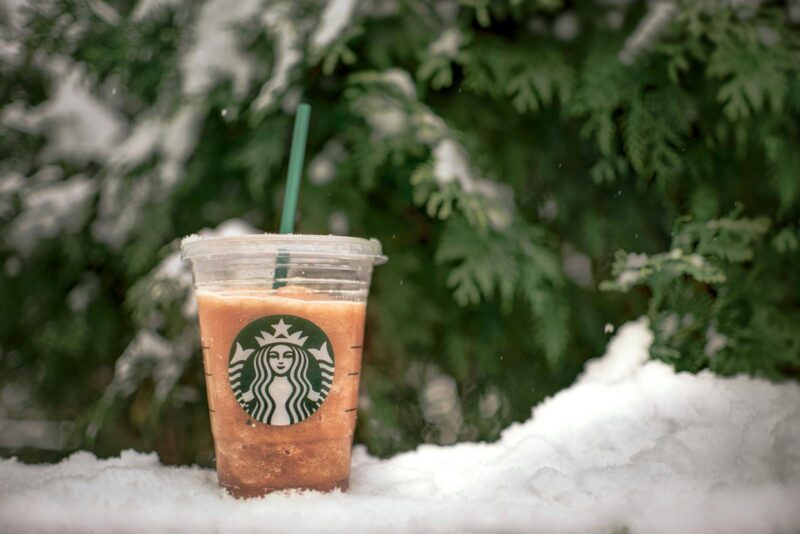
{"x": 538, "y": 171}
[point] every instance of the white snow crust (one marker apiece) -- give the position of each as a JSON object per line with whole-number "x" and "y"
{"x": 632, "y": 446}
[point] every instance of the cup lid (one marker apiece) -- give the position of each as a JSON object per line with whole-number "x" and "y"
{"x": 356, "y": 248}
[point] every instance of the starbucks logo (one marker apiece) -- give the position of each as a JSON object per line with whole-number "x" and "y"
{"x": 281, "y": 369}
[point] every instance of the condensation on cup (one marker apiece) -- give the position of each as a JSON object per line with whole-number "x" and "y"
{"x": 282, "y": 329}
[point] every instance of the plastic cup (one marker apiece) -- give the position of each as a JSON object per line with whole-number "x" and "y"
{"x": 282, "y": 328}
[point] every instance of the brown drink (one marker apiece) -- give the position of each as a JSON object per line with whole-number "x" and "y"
{"x": 283, "y": 365}
{"x": 313, "y": 453}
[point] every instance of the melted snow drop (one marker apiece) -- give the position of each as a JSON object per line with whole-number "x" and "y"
{"x": 632, "y": 446}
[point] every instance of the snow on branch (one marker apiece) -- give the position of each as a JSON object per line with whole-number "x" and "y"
{"x": 287, "y": 54}
{"x": 215, "y": 53}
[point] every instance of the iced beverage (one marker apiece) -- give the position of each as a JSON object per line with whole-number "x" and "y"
{"x": 282, "y": 356}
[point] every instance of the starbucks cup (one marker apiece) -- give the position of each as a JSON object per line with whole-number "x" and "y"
{"x": 282, "y": 328}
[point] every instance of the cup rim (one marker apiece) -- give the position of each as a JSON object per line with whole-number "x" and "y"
{"x": 198, "y": 247}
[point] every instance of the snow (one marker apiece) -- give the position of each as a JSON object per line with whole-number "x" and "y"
{"x": 15, "y": 12}
{"x": 48, "y": 435}
{"x": 657, "y": 18}
{"x": 149, "y": 354}
{"x": 78, "y": 126}
{"x": 334, "y": 19}
{"x": 50, "y": 210}
{"x": 108, "y": 14}
{"x": 11, "y": 184}
{"x": 120, "y": 208}
{"x": 632, "y": 446}
{"x": 489, "y": 404}
{"x": 441, "y": 406}
{"x": 172, "y": 137}
{"x": 82, "y": 294}
{"x": 625, "y": 355}
{"x": 439, "y": 402}
{"x": 215, "y": 54}
{"x": 548, "y": 211}
{"x": 451, "y": 165}
{"x": 122, "y": 204}
{"x": 392, "y": 114}
{"x": 385, "y": 117}
{"x": 637, "y": 268}
{"x": 14, "y": 15}
{"x": 287, "y": 54}
{"x": 231, "y": 227}
{"x": 12, "y": 266}
{"x": 577, "y": 266}
{"x": 401, "y": 79}
{"x": 338, "y": 223}
{"x": 387, "y": 112}
{"x": 769, "y": 37}
{"x": 175, "y": 272}
{"x": 615, "y": 19}
{"x": 794, "y": 11}
{"x": 715, "y": 341}
{"x": 322, "y": 168}
{"x": 148, "y": 8}
{"x": 9, "y": 49}
{"x": 178, "y": 142}
{"x": 146, "y": 346}
{"x": 447, "y": 44}
{"x": 566, "y": 26}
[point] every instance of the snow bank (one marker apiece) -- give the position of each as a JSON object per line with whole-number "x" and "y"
{"x": 632, "y": 446}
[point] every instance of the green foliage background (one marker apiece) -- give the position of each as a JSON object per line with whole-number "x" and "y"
{"x": 616, "y": 159}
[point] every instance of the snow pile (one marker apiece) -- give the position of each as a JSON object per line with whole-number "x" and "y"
{"x": 632, "y": 446}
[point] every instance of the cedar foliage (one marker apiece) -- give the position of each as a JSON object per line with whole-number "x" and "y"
{"x": 535, "y": 169}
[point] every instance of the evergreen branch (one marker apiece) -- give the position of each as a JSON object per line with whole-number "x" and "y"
{"x": 753, "y": 77}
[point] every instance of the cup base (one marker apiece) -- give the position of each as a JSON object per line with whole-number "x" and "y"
{"x": 249, "y": 492}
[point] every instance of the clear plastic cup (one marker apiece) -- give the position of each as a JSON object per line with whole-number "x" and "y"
{"x": 282, "y": 327}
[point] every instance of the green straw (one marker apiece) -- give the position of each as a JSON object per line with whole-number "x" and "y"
{"x": 295, "y": 168}
{"x": 296, "y": 154}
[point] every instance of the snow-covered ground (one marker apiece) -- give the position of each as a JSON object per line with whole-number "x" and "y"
{"x": 632, "y": 446}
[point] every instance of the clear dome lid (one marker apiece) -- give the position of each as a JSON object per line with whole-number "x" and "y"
{"x": 341, "y": 247}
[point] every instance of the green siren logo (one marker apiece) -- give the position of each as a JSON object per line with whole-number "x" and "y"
{"x": 281, "y": 369}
